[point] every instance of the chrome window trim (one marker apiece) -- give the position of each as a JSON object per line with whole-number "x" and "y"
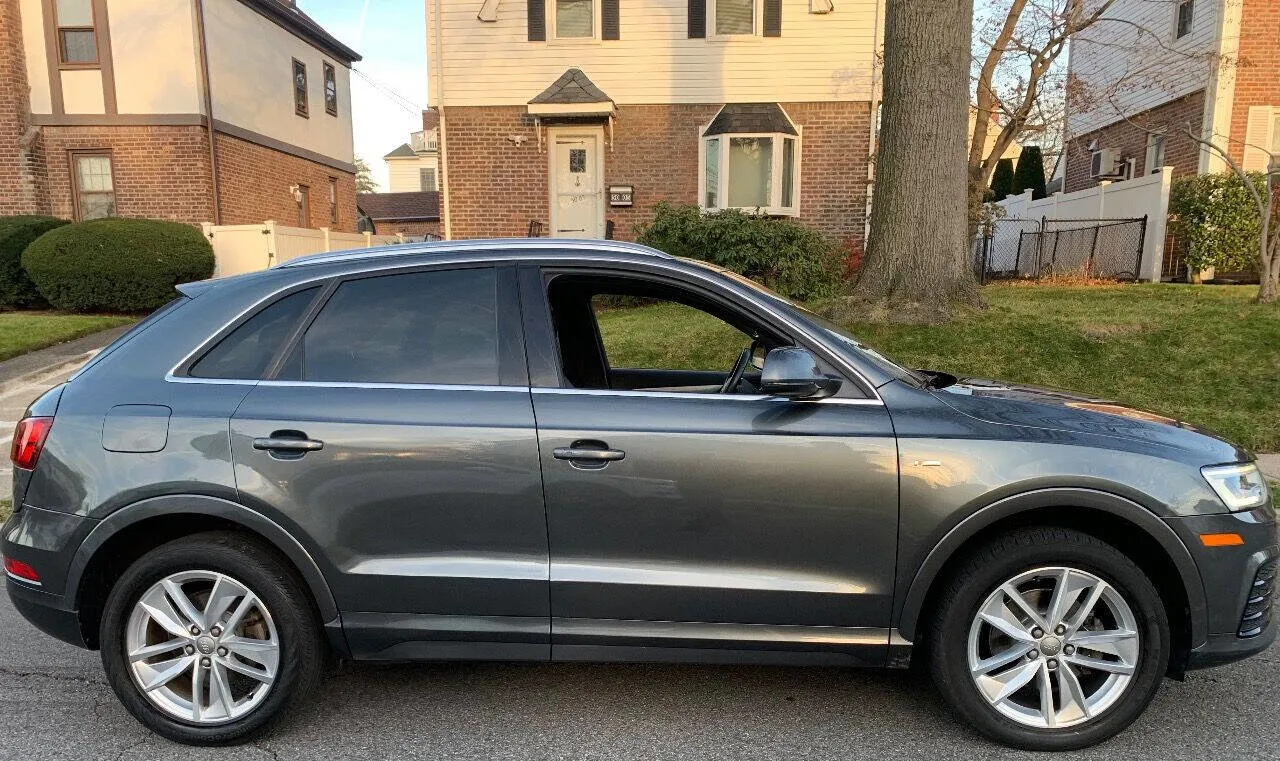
{"x": 658, "y": 259}
{"x": 379, "y": 385}
{"x": 693, "y": 395}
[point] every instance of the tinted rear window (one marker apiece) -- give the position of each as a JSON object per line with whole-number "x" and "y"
{"x": 424, "y": 327}
{"x": 247, "y": 350}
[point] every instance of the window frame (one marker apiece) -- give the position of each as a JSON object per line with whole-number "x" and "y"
{"x": 330, "y": 76}
{"x": 73, "y": 157}
{"x": 775, "y": 207}
{"x": 302, "y": 108}
{"x": 757, "y": 23}
{"x": 434, "y": 178}
{"x": 333, "y": 200}
{"x": 1157, "y": 145}
{"x": 63, "y": 63}
{"x": 1190, "y": 5}
{"x": 304, "y": 205}
{"x": 596, "y": 24}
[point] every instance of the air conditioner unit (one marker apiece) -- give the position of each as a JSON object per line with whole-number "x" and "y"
{"x": 1105, "y": 162}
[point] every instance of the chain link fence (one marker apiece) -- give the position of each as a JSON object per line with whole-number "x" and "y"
{"x": 1033, "y": 248}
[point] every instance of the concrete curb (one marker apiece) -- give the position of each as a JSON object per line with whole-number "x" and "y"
{"x": 42, "y": 361}
{"x": 1269, "y": 464}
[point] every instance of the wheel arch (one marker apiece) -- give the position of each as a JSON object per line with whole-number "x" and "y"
{"x": 125, "y": 534}
{"x": 1130, "y": 527}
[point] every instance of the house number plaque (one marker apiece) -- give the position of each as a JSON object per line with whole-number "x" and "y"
{"x": 621, "y": 195}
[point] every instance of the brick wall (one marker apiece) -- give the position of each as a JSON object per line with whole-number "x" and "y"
{"x": 407, "y": 228}
{"x": 159, "y": 172}
{"x": 22, "y": 189}
{"x": 497, "y": 187}
{"x": 1258, "y": 73}
{"x": 254, "y": 181}
{"x": 1130, "y": 139}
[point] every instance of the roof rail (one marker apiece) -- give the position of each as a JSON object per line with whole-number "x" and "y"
{"x": 463, "y": 246}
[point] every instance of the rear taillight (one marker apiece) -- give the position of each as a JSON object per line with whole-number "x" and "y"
{"x": 21, "y": 570}
{"x": 28, "y": 441}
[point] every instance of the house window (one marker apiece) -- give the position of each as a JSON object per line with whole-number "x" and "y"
{"x": 300, "y": 88}
{"x": 733, "y": 17}
{"x": 751, "y": 172}
{"x": 304, "y": 204}
{"x": 94, "y": 186}
{"x": 427, "y": 178}
{"x": 574, "y": 19}
{"x": 77, "y": 40}
{"x": 333, "y": 201}
{"x": 1155, "y": 152}
{"x": 1186, "y": 14}
{"x": 330, "y": 90}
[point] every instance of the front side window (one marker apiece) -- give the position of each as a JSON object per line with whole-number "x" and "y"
{"x": 300, "y": 105}
{"x": 1186, "y": 14}
{"x": 575, "y": 19}
{"x": 330, "y": 90}
{"x": 77, "y": 39}
{"x": 423, "y": 327}
{"x": 751, "y": 172}
{"x": 95, "y": 190}
{"x": 247, "y": 351}
{"x": 734, "y": 17}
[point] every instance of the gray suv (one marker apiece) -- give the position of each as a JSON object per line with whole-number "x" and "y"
{"x": 428, "y": 452}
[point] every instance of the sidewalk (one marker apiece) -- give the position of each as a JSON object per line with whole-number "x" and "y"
{"x": 24, "y": 378}
{"x": 1270, "y": 465}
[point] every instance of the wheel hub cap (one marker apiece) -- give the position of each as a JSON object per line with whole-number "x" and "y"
{"x": 193, "y": 676}
{"x": 1053, "y": 647}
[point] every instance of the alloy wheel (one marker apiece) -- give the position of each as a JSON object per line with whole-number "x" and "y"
{"x": 1053, "y": 647}
{"x": 202, "y": 647}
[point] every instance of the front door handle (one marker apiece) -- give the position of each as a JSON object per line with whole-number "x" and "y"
{"x": 292, "y": 442}
{"x": 588, "y": 454}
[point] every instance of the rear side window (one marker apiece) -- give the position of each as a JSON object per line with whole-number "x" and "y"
{"x": 424, "y": 327}
{"x": 247, "y": 350}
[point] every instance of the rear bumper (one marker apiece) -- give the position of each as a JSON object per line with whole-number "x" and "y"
{"x": 47, "y": 612}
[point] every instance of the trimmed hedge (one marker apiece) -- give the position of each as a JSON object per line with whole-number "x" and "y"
{"x": 16, "y": 233}
{"x": 797, "y": 261}
{"x": 116, "y": 265}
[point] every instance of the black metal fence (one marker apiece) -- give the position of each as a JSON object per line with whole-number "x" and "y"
{"x": 1032, "y": 248}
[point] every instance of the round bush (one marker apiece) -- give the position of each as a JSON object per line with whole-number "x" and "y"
{"x": 116, "y": 265}
{"x": 16, "y": 233}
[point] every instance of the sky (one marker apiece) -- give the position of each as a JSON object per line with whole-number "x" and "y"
{"x": 391, "y": 37}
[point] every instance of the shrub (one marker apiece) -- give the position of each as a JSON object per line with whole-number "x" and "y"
{"x": 1218, "y": 218}
{"x": 790, "y": 258}
{"x": 116, "y": 265}
{"x": 1002, "y": 180}
{"x": 1029, "y": 173}
{"x": 16, "y": 233}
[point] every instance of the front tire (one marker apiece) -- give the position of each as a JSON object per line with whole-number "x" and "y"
{"x": 208, "y": 639}
{"x": 1049, "y": 639}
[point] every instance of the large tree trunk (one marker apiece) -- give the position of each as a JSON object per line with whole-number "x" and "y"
{"x": 918, "y": 263}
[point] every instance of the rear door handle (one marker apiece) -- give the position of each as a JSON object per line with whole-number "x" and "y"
{"x": 592, "y": 455}
{"x": 287, "y": 444}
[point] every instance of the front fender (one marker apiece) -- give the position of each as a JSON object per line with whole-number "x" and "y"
{"x": 192, "y": 504}
{"x": 908, "y": 613}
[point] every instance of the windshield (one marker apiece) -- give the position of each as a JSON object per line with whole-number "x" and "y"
{"x": 830, "y": 330}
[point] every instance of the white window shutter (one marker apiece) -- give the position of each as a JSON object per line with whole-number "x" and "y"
{"x": 1257, "y": 138}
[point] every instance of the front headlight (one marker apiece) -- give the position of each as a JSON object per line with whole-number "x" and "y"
{"x": 1240, "y": 487}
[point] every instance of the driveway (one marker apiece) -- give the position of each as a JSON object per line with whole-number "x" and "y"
{"x": 55, "y": 704}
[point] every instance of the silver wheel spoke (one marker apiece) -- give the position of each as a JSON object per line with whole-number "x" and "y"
{"x": 151, "y": 651}
{"x": 165, "y": 671}
{"x": 1117, "y": 642}
{"x": 219, "y": 688}
{"x": 1065, "y": 593}
{"x": 259, "y": 651}
{"x": 999, "y": 688}
{"x": 1014, "y": 653}
{"x": 1071, "y": 694}
{"x": 997, "y": 613}
{"x": 1086, "y": 609}
{"x": 183, "y": 603}
{"x": 1047, "y": 710}
{"x": 224, "y": 594}
{"x": 161, "y": 610}
{"x": 1012, "y": 593}
{"x": 1114, "y": 667}
{"x": 262, "y": 675}
{"x": 237, "y": 615}
{"x": 197, "y": 693}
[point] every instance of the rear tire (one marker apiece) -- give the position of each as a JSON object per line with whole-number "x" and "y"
{"x": 211, "y": 686}
{"x": 993, "y": 661}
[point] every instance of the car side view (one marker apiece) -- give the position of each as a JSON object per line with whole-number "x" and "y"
{"x": 428, "y": 452}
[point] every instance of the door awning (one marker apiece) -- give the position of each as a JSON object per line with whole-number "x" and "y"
{"x": 573, "y": 94}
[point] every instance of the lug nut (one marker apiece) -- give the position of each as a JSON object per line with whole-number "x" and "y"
{"x": 189, "y": 649}
{"x": 1033, "y": 654}
{"x": 195, "y": 631}
{"x": 1069, "y": 649}
{"x": 216, "y": 631}
{"x": 1037, "y": 632}
{"x": 205, "y": 662}
{"x": 1052, "y": 663}
{"x": 222, "y": 652}
{"x": 1062, "y": 629}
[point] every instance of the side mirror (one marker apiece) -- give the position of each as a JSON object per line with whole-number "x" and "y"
{"x": 794, "y": 373}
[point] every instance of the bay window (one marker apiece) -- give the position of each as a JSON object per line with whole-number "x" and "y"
{"x": 751, "y": 172}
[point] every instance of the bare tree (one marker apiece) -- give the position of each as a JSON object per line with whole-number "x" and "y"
{"x": 918, "y": 264}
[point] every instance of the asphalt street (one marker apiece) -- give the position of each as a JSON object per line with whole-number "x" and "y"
{"x": 55, "y": 704}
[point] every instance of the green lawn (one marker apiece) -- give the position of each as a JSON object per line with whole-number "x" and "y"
{"x": 6, "y": 508}
{"x": 1204, "y": 354}
{"x": 21, "y": 332}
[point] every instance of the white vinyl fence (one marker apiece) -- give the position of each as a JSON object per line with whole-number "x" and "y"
{"x": 1132, "y": 199}
{"x": 247, "y": 248}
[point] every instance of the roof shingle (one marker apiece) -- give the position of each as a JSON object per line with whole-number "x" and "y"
{"x": 418, "y": 206}
{"x": 572, "y": 87}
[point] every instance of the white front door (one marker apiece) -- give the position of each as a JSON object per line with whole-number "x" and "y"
{"x": 577, "y": 184}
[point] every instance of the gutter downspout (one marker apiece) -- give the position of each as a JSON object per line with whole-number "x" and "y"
{"x": 445, "y": 205}
{"x": 874, "y": 129}
{"x": 208, "y": 110}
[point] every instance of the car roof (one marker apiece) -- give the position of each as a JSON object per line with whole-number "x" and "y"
{"x": 477, "y": 249}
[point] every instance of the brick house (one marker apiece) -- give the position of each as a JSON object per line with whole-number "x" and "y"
{"x": 580, "y": 115}
{"x": 224, "y": 111}
{"x": 1139, "y": 79}
{"x": 413, "y": 212}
